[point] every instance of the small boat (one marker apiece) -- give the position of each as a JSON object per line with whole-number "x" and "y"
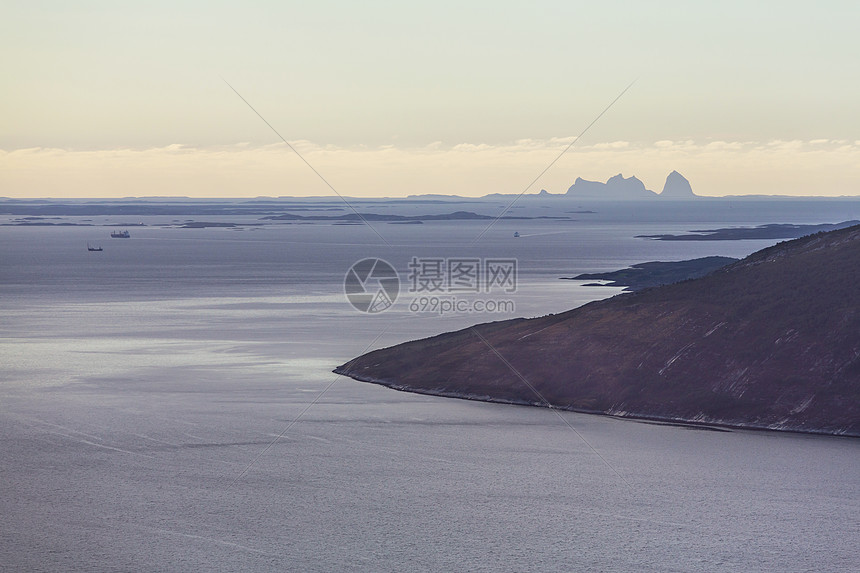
{"x": 120, "y": 235}
{"x": 99, "y": 248}
{"x": 517, "y": 234}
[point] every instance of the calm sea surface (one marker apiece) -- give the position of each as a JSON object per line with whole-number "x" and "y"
{"x": 168, "y": 404}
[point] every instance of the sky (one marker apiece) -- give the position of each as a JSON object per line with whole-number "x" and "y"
{"x": 117, "y": 99}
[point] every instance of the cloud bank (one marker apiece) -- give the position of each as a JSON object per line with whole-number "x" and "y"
{"x": 816, "y": 167}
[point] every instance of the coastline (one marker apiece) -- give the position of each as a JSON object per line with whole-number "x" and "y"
{"x": 703, "y": 423}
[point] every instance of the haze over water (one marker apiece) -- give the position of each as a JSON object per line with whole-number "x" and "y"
{"x": 168, "y": 404}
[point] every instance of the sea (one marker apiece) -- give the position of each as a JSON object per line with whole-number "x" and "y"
{"x": 168, "y": 404}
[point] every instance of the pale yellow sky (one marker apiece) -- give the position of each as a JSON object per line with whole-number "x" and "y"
{"x": 112, "y": 99}
{"x": 830, "y": 168}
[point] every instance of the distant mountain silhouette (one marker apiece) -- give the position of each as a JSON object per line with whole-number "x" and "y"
{"x": 677, "y": 187}
{"x": 616, "y": 187}
{"x": 619, "y": 188}
{"x": 771, "y": 341}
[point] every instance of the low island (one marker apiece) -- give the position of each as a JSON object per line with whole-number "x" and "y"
{"x": 655, "y": 273}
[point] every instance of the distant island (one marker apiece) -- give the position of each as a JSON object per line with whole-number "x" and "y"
{"x": 618, "y": 188}
{"x": 209, "y": 224}
{"x": 656, "y": 273}
{"x": 769, "y": 342}
{"x": 772, "y": 231}
{"x": 358, "y": 217}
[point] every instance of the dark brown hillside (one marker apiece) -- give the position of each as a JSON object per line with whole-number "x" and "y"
{"x": 772, "y": 341}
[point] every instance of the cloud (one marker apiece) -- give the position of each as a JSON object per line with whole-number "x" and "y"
{"x": 612, "y": 145}
{"x": 714, "y": 168}
{"x": 725, "y": 145}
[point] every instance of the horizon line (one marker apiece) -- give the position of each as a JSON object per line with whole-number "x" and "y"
{"x": 592, "y": 198}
